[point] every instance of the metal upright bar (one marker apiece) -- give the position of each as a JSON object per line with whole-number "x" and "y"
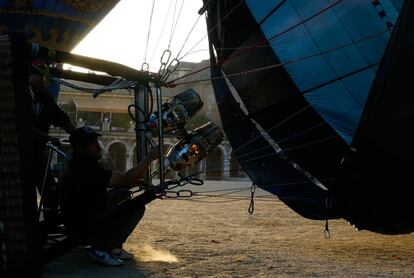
{"x": 160, "y": 135}
{"x": 141, "y": 112}
{"x": 42, "y": 190}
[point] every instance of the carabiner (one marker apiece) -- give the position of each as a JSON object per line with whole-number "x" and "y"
{"x": 174, "y": 66}
{"x": 187, "y": 193}
{"x": 326, "y": 232}
{"x": 145, "y": 67}
{"x": 163, "y": 59}
{"x": 170, "y": 69}
{"x": 162, "y": 70}
{"x": 196, "y": 181}
{"x": 170, "y": 194}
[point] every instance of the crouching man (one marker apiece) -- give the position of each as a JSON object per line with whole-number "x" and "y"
{"x": 92, "y": 214}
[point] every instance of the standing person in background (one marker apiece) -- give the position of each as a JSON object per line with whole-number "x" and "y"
{"x": 46, "y": 112}
{"x": 92, "y": 215}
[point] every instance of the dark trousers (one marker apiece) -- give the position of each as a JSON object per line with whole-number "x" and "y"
{"x": 110, "y": 228}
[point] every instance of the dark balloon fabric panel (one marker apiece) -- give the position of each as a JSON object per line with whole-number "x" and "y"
{"x": 59, "y": 24}
{"x": 331, "y": 51}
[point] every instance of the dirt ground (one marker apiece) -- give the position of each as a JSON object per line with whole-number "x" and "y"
{"x": 214, "y": 237}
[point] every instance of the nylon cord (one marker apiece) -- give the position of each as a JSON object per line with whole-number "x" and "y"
{"x": 149, "y": 31}
{"x": 277, "y": 65}
{"x": 213, "y": 28}
{"x": 270, "y": 39}
{"x": 176, "y": 22}
{"x": 162, "y": 31}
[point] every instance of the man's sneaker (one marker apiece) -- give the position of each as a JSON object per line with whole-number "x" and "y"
{"x": 121, "y": 254}
{"x": 104, "y": 258}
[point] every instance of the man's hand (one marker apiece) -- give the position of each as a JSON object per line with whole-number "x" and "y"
{"x": 132, "y": 176}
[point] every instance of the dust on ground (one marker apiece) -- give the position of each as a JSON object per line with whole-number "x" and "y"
{"x": 214, "y": 237}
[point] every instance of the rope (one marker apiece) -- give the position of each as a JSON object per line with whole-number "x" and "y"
{"x": 264, "y": 43}
{"x": 266, "y": 186}
{"x": 212, "y": 29}
{"x": 267, "y": 131}
{"x": 162, "y": 31}
{"x": 274, "y": 127}
{"x": 229, "y": 192}
{"x": 172, "y": 24}
{"x": 149, "y": 31}
{"x": 172, "y": 68}
{"x": 276, "y": 8}
{"x": 312, "y": 143}
{"x": 277, "y": 65}
{"x": 301, "y": 133}
{"x": 230, "y": 160}
{"x": 226, "y": 163}
{"x": 210, "y": 202}
{"x": 339, "y": 78}
{"x": 201, "y": 196}
{"x": 166, "y": 74}
{"x": 167, "y": 193}
{"x": 229, "y": 199}
{"x": 176, "y": 23}
{"x": 188, "y": 36}
{"x": 235, "y": 190}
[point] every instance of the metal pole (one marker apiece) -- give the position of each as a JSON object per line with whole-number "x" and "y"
{"x": 42, "y": 191}
{"x": 141, "y": 112}
{"x": 160, "y": 135}
{"x": 111, "y": 68}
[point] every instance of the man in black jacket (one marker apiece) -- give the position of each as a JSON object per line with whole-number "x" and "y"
{"x": 91, "y": 215}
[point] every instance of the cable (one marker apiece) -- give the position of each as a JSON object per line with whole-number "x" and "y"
{"x": 170, "y": 68}
{"x": 161, "y": 33}
{"x": 277, "y": 7}
{"x": 176, "y": 23}
{"x": 311, "y": 143}
{"x": 191, "y": 31}
{"x": 277, "y": 65}
{"x": 172, "y": 24}
{"x": 267, "y": 131}
{"x": 264, "y": 43}
{"x": 228, "y": 162}
{"x": 214, "y": 27}
{"x": 149, "y": 31}
{"x": 140, "y": 110}
{"x": 274, "y": 126}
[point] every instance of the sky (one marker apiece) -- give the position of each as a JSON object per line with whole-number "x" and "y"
{"x": 122, "y": 35}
